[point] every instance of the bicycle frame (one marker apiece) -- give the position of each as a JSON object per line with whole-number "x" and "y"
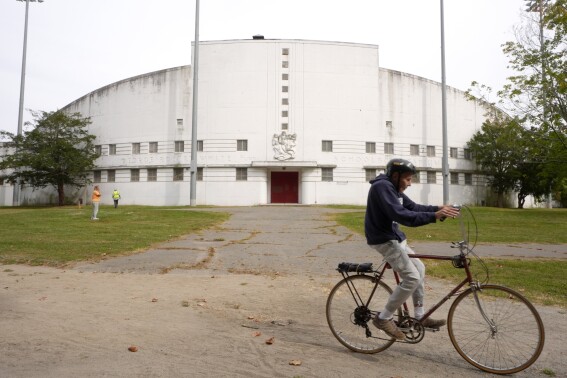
{"x": 462, "y": 260}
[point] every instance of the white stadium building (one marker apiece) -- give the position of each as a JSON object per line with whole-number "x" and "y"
{"x": 278, "y": 121}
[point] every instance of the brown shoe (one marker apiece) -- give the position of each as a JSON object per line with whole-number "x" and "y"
{"x": 389, "y": 327}
{"x": 433, "y": 323}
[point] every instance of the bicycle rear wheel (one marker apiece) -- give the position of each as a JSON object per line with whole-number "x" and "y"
{"x": 351, "y": 322}
{"x": 510, "y": 343}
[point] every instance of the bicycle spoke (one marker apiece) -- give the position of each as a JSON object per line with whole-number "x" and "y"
{"x": 351, "y": 322}
{"x": 509, "y": 342}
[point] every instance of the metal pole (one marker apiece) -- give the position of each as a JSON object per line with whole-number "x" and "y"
{"x": 445, "y": 163}
{"x": 16, "y": 196}
{"x": 193, "y": 196}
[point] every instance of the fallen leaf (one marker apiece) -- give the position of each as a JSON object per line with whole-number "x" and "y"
{"x": 133, "y": 348}
{"x": 295, "y": 362}
{"x": 256, "y": 334}
{"x": 271, "y": 340}
{"x": 154, "y": 299}
{"x": 250, "y": 317}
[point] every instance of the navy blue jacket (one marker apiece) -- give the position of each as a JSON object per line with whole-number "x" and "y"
{"x": 387, "y": 207}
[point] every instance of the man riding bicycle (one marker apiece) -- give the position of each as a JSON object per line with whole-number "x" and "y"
{"x": 387, "y": 207}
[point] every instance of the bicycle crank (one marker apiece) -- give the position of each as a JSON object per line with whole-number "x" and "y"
{"x": 413, "y": 329}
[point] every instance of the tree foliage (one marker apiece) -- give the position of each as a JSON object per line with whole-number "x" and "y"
{"x": 538, "y": 91}
{"x": 496, "y": 148}
{"x": 535, "y": 142}
{"x": 58, "y": 151}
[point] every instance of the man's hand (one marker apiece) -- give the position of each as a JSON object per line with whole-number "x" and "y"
{"x": 447, "y": 211}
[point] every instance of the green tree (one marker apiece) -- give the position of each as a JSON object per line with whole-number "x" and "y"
{"x": 532, "y": 177}
{"x": 58, "y": 151}
{"x": 497, "y": 148}
{"x": 539, "y": 56}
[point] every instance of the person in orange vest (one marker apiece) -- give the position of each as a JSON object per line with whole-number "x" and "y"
{"x": 96, "y": 201}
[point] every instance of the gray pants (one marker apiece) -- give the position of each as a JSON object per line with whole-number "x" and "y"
{"x": 95, "y": 210}
{"x": 411, "y": 271}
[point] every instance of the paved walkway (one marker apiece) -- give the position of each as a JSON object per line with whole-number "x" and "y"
{"x": 291, "y": 239}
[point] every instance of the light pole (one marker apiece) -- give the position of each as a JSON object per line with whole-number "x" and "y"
{"x": 445, "y": 162}
{"x": 195, "y": 68}
{"x": 16, "y": 198}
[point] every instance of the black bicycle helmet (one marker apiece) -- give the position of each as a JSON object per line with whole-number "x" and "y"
{"x": 399, "y": 165}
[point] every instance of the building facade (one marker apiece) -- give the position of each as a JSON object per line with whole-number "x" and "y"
{"x": 278, "y": 121}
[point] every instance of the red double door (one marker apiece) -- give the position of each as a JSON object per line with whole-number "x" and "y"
{"x": 285, "y": 187}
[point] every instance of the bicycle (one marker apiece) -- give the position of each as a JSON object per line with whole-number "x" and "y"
{"x": 494, "y": 328}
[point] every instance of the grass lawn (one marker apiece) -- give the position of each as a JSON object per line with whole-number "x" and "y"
{"x": 58, "y": 235}
{"x": 542, "y": 281}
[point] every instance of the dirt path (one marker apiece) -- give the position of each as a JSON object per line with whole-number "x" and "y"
{"x": 267, "y": 278}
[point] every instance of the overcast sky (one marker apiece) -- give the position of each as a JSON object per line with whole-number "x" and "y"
{"x": 78, "y": 46}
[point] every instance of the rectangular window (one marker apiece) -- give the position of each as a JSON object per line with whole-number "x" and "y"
{"x": 285, "y": 51}
{"x": 389, "y": 148}
{"x": 199, "y": 174}
{"x": 241, "y": 174}
{"x": 135, "y": 148}
{"x": 112, "y": 149}
{"x": 370, "y": 174}
{"x": 242, "y": 145}
{"x": 97, "y": 176}
{"x": 152, "y": 174}
{"x": 285, "y": 88}
{"x": 285, "y": 76}
{"x": 468, "y": 178}
{"x": 370, "y": 147}
{"x": 179, "y": 121}
{"x": 179, "y": 146}
{"x": 454, "y": 152}
{"x": 415, "y": 178}
{"x": 326, "y": 174}
{"x": 431, "y": 151}
{"x": 285, "y": 64}
{"x": 285, "y": 101}
{"x": 468, "y": 154}
{"x": 177, "y": 174}
{"x": 111, "y": 175}
{"x": 98, "y": 149}
{"x": 455, "y": 178}
{"x": 200, "y": 145}
{"x": 284, "y": 126}
{"x": 134, "y": 175}
{"x": 284, "y": 113}
{"x": 327, "y": 146}
{"x": 414, "y": 149}
{"x": 431, "y": 177}
{"x": 153, "y": 147}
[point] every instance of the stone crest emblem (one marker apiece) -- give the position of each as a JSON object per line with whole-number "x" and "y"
{"x": 284, "y": 146}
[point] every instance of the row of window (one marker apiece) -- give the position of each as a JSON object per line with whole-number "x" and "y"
{"x": 242, "y": 175}
{"x": 430, "y": 177}
{"x": 285, "y": 89}
{"x": 326, "y": 146}
{"x": 152, "y": 175}
{"x": 241, "y": 145}
{"x": 430, "y": 151}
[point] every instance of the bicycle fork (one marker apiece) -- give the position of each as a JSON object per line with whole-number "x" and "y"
{"x": 476, "y": 287}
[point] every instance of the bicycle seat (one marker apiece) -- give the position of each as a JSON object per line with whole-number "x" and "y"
{"x": 355, "y": 267}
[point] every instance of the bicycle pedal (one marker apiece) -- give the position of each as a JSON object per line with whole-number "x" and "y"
{"x": 432, "y": 329}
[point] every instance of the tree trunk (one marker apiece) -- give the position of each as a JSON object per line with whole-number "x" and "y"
{"x": 521, "y": 200}
{"x": 500, "y": 200}
{"x": 61, "y": 194}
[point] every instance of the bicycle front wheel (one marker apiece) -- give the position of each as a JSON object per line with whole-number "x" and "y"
{"x": 350, "y": 320}
{"x": 502, "y": 333}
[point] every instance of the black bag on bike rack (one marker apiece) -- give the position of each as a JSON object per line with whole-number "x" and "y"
{"x": 354, "y": 267}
